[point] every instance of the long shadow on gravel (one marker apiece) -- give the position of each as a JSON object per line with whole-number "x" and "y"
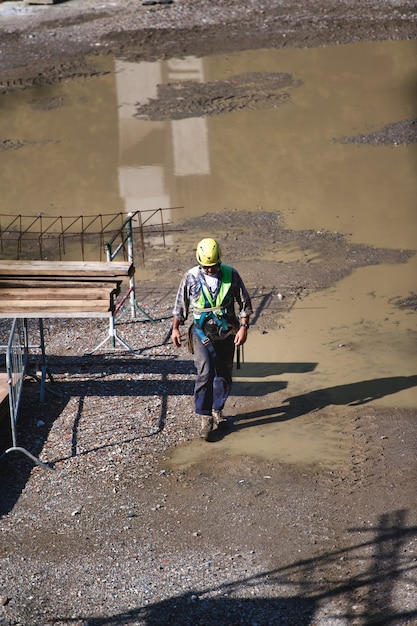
{"x": 377, "y": 566}
{"x": 36, "y": 421}
{"x": 188, "y": 610}
{"x": 353, "y": 394}
{"x": 80, "y": 377}
{"x": 101, "y": 377}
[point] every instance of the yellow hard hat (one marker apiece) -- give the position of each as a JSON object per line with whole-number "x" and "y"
{"x": 208, "y": 252}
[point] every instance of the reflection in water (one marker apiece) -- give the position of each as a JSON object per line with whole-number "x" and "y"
{"x": 81, "y": 150}
{"x": 292, "y": 158}
{"x": 152, "y": 154}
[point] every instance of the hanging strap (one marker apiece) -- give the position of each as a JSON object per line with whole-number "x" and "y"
{"x": 205, "y": 341}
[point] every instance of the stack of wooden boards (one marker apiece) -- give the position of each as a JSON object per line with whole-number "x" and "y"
{"x": 60, "y": 289}
{"x": 38, "y": 289}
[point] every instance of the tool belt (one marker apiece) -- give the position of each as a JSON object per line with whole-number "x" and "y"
{"x": 210, "y": 332}
{"x": 215, "y": 331}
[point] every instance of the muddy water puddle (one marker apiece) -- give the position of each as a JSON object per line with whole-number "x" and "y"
{"x": 359, "y": 347}
{"x": 340, "y": 349}
{"x": 309, "y": 440}
{"x": 79, "y": 149}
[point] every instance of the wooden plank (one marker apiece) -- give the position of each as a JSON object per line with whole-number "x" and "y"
{"x": 14, "y": 282}
{"x": 52, "y": 293}
{"x": 53, "y": 306}
{"x": 100, "y": 266}
{"x": 78, "y": 269}
{"x": 4, "y": 387}
{"x": 55, "y": 314}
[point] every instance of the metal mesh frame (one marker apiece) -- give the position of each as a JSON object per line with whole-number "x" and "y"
{"x": 16, "y": 362}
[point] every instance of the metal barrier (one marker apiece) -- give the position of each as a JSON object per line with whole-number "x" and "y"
{"x": 16, "y": 363}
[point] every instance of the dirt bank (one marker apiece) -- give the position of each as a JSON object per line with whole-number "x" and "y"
{"x": 116, "y": 534}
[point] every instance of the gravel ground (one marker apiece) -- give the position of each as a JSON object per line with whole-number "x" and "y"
{"x": 117, "y": 534}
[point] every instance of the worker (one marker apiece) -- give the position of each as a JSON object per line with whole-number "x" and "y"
{"x": 213, "y": 291}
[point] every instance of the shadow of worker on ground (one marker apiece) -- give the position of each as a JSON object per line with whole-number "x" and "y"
{"x": 351, "y": 394}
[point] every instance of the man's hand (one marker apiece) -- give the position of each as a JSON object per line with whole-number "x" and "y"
{"x": 176, "y": 337}
{"x": 241, "y": 336}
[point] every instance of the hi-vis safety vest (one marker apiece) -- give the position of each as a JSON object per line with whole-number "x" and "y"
{"x": 204, "y": 307}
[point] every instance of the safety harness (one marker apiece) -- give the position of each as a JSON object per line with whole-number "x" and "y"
{"x": 205, "y": 308}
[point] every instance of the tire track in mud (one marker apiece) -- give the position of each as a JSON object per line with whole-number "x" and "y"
{"x": 48, "y": 77}
{"x": 248, "y": 91}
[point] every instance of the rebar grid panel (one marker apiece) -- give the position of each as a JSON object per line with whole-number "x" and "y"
{"x": 40, "y": 236}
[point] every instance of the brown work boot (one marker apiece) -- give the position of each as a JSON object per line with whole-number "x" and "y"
{"x": 219, "y": 419}
{"x": 206, "y": 426}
